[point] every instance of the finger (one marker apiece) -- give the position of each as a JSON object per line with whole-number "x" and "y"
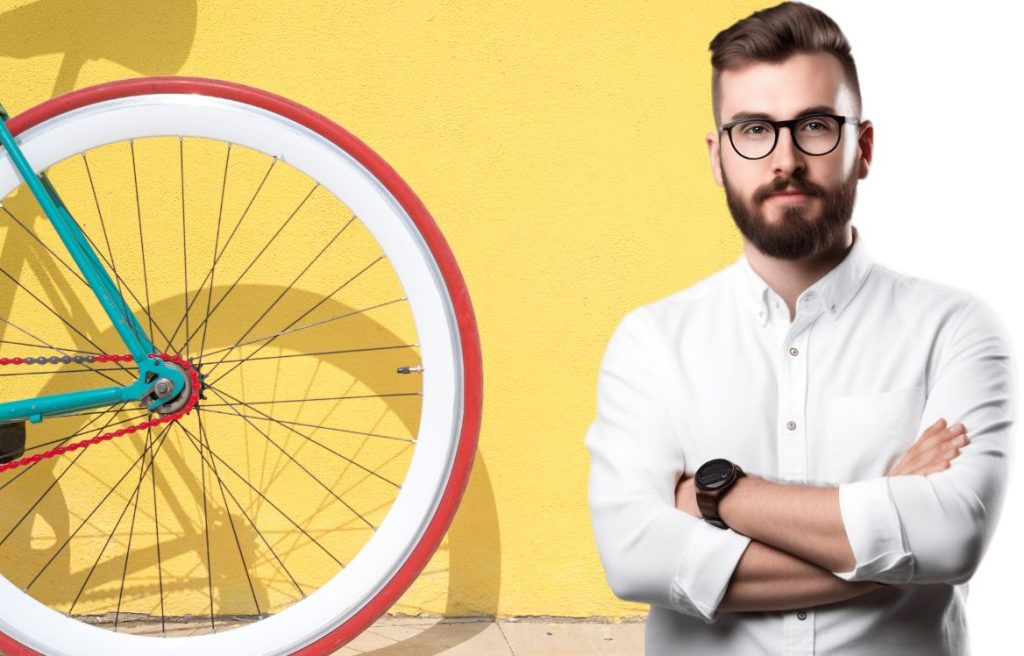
{"x": 944, "y": 435}
{"x": 939, "y": 453}
{"x": 937, "y": 426}
{"x": 942, "y": 466}
{"x": 961, "y": 439}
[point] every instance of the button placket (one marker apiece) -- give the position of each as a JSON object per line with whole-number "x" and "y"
{"x": 798, "y": 632}
{"x": 793, "y": 450}
{"x": 799, "y": 625}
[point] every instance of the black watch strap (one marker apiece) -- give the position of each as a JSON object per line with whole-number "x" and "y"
{"x": 713, "y": 480}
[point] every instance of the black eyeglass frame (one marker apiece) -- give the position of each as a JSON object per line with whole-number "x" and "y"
{"x": 777, "y": 127}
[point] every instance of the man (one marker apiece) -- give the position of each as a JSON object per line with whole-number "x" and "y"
{"x": 755, "y": 475}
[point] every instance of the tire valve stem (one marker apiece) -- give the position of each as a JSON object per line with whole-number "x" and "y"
{"x": 411, "y": 370}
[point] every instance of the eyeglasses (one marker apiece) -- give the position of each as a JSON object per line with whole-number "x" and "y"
{"x": 814, "y": 134}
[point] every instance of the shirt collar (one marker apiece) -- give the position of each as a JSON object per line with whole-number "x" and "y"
{"x": 836, "y": 288}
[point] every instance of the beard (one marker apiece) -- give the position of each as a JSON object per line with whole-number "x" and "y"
{"x": 794, "y": 236}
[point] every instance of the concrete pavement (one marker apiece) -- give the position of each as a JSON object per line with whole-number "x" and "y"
{"x": 542, "y": 636}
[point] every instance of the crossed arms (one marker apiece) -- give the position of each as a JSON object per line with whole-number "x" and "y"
{"x": 792, "y": 555}
{"x": 794, "y": 546}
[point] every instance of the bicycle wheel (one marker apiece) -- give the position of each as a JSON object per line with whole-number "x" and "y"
{"x": 290, "y": 264}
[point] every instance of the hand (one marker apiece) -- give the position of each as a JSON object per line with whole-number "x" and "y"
{"x": 686, "y": 497}
{"x": 933, "y": 451}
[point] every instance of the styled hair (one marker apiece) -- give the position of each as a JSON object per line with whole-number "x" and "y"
{"x": 773, "y": 35}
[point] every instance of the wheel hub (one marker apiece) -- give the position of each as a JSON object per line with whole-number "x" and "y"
{"x": 161, "y": 387}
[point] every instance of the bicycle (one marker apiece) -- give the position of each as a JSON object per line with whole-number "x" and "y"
{"x": 288, "y": 402}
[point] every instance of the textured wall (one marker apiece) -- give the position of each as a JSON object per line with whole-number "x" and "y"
{"x": 560, "y": 148}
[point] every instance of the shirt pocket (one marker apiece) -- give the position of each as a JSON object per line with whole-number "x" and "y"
{"x": 868, "y": 433}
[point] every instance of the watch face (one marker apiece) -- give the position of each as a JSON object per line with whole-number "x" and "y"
{"x": 714, "y": 474}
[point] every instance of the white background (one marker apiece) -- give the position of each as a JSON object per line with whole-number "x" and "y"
{"x": 941, "y": 83}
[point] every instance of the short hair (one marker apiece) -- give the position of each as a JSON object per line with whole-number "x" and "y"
{"x": 773, "y": 35}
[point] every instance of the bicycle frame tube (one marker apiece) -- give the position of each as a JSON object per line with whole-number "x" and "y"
{"x": 113, "y": 303}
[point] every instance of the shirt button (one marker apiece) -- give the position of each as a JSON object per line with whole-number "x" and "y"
{"x": 791, "y": 425}
{"x": 793, "y": 351}
{"x": 801, "y": 615}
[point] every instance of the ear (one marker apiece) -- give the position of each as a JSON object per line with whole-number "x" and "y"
{"x": 715, "y": 157}
{"x": 866, "y": 147}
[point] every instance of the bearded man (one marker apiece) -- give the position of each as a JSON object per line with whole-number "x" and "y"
{"x": 806, "y": 452}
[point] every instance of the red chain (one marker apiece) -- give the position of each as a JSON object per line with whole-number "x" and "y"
{"x": 164, "y": 419}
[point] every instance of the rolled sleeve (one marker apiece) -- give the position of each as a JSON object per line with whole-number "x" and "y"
{"x": 935, "y": 528}
{"x": 705, "y": 570}
{"x": 651, "y": 552}
{"x": 875, "y": 534}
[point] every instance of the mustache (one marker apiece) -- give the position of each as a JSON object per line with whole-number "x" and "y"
{"x": 803, "y": 186}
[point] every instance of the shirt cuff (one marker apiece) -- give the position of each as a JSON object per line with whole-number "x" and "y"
{"x": 706, "y": 569}
{"x": 876, "y": 536}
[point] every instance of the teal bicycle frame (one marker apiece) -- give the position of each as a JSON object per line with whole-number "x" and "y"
{"x": 127, "y": 326}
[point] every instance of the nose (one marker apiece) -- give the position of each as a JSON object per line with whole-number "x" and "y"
{"x": 786, "y": 158}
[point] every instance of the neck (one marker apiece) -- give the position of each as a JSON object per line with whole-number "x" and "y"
{"x": 789, "y": 278}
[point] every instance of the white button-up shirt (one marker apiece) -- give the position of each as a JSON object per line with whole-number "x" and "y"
{"x": 836, "y": 397}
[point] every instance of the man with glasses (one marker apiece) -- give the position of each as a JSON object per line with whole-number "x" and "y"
{"x": 780, "y": 460}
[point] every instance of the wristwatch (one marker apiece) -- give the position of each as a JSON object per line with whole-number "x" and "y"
{"x": 712, "y": 480}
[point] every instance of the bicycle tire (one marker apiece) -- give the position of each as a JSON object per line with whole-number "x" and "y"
{"x": 213, "y": 110}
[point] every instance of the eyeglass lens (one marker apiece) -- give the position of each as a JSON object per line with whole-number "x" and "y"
{"x": 815, "y": 135}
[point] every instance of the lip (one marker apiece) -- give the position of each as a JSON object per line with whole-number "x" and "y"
{"x": 789, "y": 196}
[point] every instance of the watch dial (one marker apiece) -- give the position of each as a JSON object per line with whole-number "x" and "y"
{"x": 714, "y": 474}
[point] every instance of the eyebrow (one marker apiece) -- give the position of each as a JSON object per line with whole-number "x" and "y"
{"x": 817, "y": 109}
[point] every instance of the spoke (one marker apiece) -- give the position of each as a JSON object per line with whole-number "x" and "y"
{"x": 184, "y": 237}
{"x": 326, "y": 487}
{"x": 156, "y": 528}
{"x": 122, "y": 286}
{"x": 142, "y": 243}
{"x": 24, "y": 470}
{"x": 304, "y": 314}
{"x": 56, "y": 480}
{"x": 32, "y": 234}
{"x": 46, "y": 372}
{"x": 251, "y": 521}
{"x": 210, "y": 311}
{"x": 110, "y": 537}
{"x": 227, "y": 242}
{"x": 216, "y": 241}
{"x": 59, "y": 349}
{"x": 61, "y": 440}
{"x": 291, "y": 285}
{"x": 64, "y": 351}
{"x": 227, "y": 509}
{"x": 317, "y": 398}
{"x": 269, "y": 338}
{"x": 114, "y": 487}
{"x": 54, "y": 313}
{"x": 317, "y": 426}
{"x": 206, "y": 522}
{"x": 224, "y": 395}
{"x": 213, "y": 465}
{"x": 131, "y": 530}
{"x": 312, "y": 353}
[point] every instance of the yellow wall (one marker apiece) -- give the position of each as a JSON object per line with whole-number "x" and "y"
{"x": 559, "y": 145}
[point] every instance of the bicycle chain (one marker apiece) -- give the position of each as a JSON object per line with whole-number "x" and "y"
{"x": 84, "y": 444}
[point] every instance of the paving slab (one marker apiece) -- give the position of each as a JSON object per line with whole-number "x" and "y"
{"x": 398, "y": 636}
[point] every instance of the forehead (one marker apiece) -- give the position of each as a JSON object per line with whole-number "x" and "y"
{"x": 785, "y": 89}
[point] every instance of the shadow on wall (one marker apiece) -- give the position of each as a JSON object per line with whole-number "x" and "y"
{"x": 155, "y": 37}
{"x": 151, "y": 37}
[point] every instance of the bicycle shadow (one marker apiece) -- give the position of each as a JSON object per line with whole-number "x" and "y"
{"x": 472, "y": 541}
{"x": 151, "y": 37}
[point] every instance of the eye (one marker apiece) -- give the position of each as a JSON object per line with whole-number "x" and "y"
{"x": 755, "y": 129}
{"x": 818, "y": 125}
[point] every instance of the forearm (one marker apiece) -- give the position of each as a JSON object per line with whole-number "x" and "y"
{"x": 768, "y": 579}
{"x": 803, "y": 521}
